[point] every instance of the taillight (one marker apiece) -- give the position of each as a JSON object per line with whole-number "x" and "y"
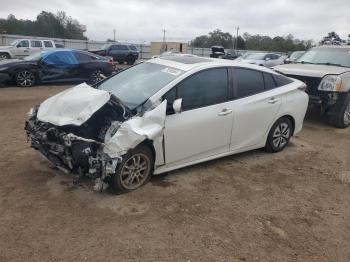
{"x": 110, "y": 61}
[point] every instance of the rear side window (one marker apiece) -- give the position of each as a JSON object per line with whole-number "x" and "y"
{"x": 247, "y": 82}
{"x": 282, "y": 80}
{"x": 48, "y": 44}
{"x": 35, "y": 43}
{"x": 82, "y": 58}
{"x": 269, "y": 82}
{"x": 205, "y": 88}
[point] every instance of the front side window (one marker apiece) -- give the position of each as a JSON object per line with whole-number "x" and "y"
{"x": 136, "y": 85}
{"x": 23, "y": 43}
{"x": 205, "y": 88}
{"x": 48, "y": 44}
{"x": 247, "y": 82}
{"x": 35, "y": 43}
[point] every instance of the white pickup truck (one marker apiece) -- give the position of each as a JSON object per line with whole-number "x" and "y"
{"x": 24, "y": 47}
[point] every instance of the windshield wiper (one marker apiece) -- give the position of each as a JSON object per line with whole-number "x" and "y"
{"x": 304, "y": 62}
{"x": 331, "y": 64}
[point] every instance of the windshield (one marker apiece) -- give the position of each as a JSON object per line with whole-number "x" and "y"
{"x": 138, "y": 83}
{"x": 33, "y": 57}
{"x": 331, "y": 56}
{"x": 296, "y": 55}
{"x": 105, "y": 46}
{"x": 254, "y": 56}
{"x": 14, "y": 43}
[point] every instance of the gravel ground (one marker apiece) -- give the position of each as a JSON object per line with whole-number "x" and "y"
{"x": 290, "y": 206}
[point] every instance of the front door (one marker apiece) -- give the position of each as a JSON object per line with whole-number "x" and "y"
{"x": 203, "y": 128}
{"x": 22, "y": 49}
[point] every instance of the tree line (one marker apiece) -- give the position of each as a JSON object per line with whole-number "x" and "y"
{"x": 251, "y": 42}
{"x": 46, "y": 24}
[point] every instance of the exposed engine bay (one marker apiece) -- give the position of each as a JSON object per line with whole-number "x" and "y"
{"x": 90, "y": 148}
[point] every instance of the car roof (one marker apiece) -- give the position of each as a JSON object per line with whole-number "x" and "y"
{"x": 187, "y": 62}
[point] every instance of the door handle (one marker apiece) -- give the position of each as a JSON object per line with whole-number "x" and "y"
{"x": 273, "y": 100}
{"x": 225, "y": 112}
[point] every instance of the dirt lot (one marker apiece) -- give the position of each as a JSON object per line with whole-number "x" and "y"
{"x": 291, "y": 206}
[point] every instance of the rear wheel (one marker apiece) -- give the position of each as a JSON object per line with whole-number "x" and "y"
{"x": 134, "y": 171}
{"x": 4, "y": 56}
{"x": 279, "y": 135}
{"x": 96, "y": 76}
{"x": 25, "y": 78}
{"x": 341, "y": 118}
{"x": 130, "y": 60}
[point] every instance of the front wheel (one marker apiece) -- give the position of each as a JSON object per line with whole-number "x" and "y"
{"x": 25, "y": 78}
{"x": 4, "y": 56}
{"x": 341, "y": 118}
{"x": 279, "y": 135}
{"x": 134, "y": 171}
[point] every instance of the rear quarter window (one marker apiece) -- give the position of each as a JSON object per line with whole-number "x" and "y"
{"x": 282, "y": 80}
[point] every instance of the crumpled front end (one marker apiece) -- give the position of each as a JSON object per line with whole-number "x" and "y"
{"x": 89, "y": 139}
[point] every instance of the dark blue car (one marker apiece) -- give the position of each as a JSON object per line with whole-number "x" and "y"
{"x": 59, "y": 65}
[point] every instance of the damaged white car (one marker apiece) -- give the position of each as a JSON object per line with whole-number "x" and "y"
{"x": 165, "y": 114}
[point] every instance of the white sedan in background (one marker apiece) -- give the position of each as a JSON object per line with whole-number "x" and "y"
{"x": 262, "y": 59}
{"x": 164, "y": 114}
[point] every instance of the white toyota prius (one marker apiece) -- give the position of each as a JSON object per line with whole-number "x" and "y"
{"x": 165, "y": 114}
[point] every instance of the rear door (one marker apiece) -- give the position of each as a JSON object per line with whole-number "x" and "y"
{"x": 48, "y": 44}
{"x": 204, "y": 126}
{"x": 255, "y": 107}
{"x": 36, "y": 46}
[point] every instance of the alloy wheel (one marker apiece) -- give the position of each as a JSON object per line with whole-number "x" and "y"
{"x": 25, "y": 78}
{"x": 347, "y": 115}
{"x": 97, "y": 76}
{"x": 3, "y": 56}
{"x": 281, "y": 135}
{"x": 135, "y": 171}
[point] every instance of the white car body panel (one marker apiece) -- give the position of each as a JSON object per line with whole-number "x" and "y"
{"x": 20, "y": 52}
{"x": 192, "y": 136}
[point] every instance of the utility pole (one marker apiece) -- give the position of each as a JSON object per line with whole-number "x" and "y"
{"x": 237, "y": 28}
{"x": 114, "y": 31}
{"x": 164, "y": 31}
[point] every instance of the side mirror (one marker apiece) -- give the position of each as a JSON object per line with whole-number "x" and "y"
{"x": 177, "y": 105}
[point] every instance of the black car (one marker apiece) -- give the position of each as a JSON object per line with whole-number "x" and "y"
{"x": 120, "y": 52}
{"x": 59, "y": 65}
{"x": 219, "y": 52}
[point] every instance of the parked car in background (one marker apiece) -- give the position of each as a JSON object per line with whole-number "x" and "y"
{"x": 25, "y": 47}
{"x": 165, "y": 114}
{"x": 58, "y": 65}
{"x": 326, "y": 72}
{"x": 262, "y": 59}
{"x": 120, "y": 52}
{"x": 293, "y": 57}
{"x": 219, "y": 52}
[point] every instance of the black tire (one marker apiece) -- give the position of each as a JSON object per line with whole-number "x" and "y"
{"x": 341, "y": 117}
{"x": 25, "y": 78}
{"x": 96, "y": 76}
{"x": 4, "y": 56}
{"x": 277, "y": 140}
{"x": 130, "y": 60}
{"x": 128, "y": 171}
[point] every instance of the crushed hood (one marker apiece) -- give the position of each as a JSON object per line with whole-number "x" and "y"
{"x": 310, "y": 70}
{"x": 73, "y": 106}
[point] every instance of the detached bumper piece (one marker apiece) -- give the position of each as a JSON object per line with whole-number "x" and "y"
{"x": 71, "y": 153}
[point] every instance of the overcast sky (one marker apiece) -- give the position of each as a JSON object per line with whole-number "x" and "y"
{"x": 138, "y": 21}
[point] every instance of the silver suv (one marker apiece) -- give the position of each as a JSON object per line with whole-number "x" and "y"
{"x": 326, "y": 72}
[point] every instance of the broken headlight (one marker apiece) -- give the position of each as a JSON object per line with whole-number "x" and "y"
{"x": 331, "y": 83}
